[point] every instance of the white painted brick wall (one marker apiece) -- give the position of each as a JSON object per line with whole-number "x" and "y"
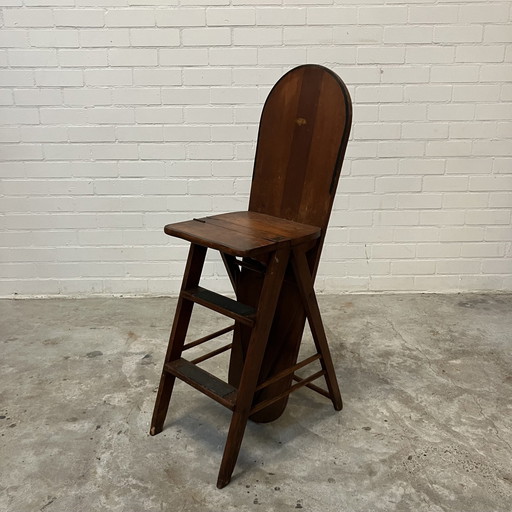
{"x": 119, "y": 116}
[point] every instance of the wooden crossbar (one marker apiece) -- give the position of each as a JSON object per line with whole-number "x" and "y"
{"x": 209, "y": 337}
{"x": 303, "y": 382}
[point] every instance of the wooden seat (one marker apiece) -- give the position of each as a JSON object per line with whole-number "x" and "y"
{"x": 271, "y": 253}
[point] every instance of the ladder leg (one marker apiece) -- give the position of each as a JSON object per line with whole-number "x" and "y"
{"x": 182, "y": 316}
{"x": 256, "y": 350}
{"x": 307, "y": 292}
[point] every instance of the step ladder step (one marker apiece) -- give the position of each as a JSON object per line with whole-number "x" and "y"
{"x": 222, "y": 304}
{"x": 203, "y": 381}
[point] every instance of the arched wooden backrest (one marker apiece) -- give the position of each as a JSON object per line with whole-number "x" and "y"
{"x": 303, "y": 134}
{"x": 304, "y": 129}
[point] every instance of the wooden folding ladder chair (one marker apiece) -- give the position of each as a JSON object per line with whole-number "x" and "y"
{"x": 271, "y": 254}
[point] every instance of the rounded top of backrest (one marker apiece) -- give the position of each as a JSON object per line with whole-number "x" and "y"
{"x": 303, "y": 134}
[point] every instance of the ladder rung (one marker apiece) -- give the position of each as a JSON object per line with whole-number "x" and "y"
{"x": 203, "y": 381}
{"x": 209, "y": 337}
{"x": 319, "y": 390}
{"x": 222, "y": 304}
{"x": 213, "y": 353}
{"x": 286, "y": 372}
{"x": 303, "y": 382}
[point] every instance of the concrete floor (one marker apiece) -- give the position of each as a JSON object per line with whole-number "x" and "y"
{"x": 427, "y": 423}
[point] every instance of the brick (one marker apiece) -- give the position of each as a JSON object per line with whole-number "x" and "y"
{"x": 484, "y": 13}
{"x": 424, "y": 131}
{"x": 480, "y": 53}
{"x": 445, "y": 183}
{"x": 451, "y": 148}
{"x": 285, "y": 56}
{"x": 182, "y": 17}
{"x": 438, "y": 14}
{"x": 389, "y": 184}
{"x": 154, "y": 37}
{"x": 6, "y": 97}
{"x": 183, "y": 57}
{"x": 421, "y": 166}
{"x": 496, "y": 73}
{"x": 408, "y": 34}
{"x": 85, "y": 58}
{"x": 461, "y": 234}
{"x": 313, "y": 35}
{"x": 428, "y": 93}
{"x": 28, "y": 17}
{"x": 491, "y": 111}
{"x": 205, "y": 76}
{"x": 234, "y": 16}
{"x": 330, "y": 16}
{"x": 104, "y": 37}
{"x": 376, "y": 55}
{"x": 63, "y": 115}
{"x": 17, "y": 77}
{"x": 161, "y": 151}
{"x": 91, "y": 133}
{"x": 383, "y": 94}
{"x": 429, "y": 54}
{"x": 403, "y": 112}
{"x": 162, "y": 115}
{"x": 61, "y": 38}
{"x": 369, "y": 131}
{"x": 257, "y": 36}
{"x": 211, "y": 36}
{"x": 160, "y": 76}
{"x": 13, "y": 116}
{"x": 119, "y": 151}
{"x": 280, "y": 16}
{"x": 21, "y": 152}
{"x": 451, "y": 74}
{"x": 187, "y": 133}
{"x": 442, "y": 218}
{"x": 406, "y": 74}
{"x": 78, "y": 17}
{"x": 360, "y": 35}
{"x": 385, "y": 15}
{"x": 59, "y": 78}
{"x": 32, "y": 58}
{"x": 130, "y": 18}
{"x": 458, "y": 34}
{"x": 132, "y": 57}
{"x": 38, "y": 97}
{"x": 186, "y": 96}
{"x": 108, "y": 76}
{"x": 110, "y": 115}
{"x": 469, "y": 165}
{"x": 11, "y": 134}
{"x": 66, "y": 151}
{"x": 497, "y": 34}
{"x": 451, "y": 112}
{"x": 13, "y": 38}
{"x": 87, "y": 97}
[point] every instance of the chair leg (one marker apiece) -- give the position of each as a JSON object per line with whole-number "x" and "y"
{"x": 307, "y": 292}
{"x": 181, "y": 322}
{"x": 256, "y": 351}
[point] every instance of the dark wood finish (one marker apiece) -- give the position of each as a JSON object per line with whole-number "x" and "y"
{"x": 224, "y": 305}
{"x": 307, "y": 292}
{"x": 252, "y": 365}
{"x": 271, "y": 254}
{"x": 203, "y": 381}
{"x": 319, "y": 390}
{"x": 193, "y": 269}
{"x": 209, "y": 337}
{"x": 213, "y": 353}
{"x": 302, "y": 138}
{"x": 243, "y": 233}
{"x": 288, "y": 371}
{"x": 287, "y": 392}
